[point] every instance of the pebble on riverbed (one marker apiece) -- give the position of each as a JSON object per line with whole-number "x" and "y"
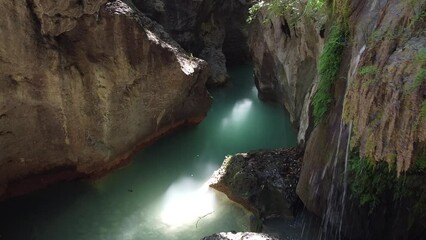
{"x": 264, "y": 182}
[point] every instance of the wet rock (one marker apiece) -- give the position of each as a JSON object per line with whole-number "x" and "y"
{"x": 240, "y": 236}
{"x": 264, "y": 182}
{"x": 78, "y": 97}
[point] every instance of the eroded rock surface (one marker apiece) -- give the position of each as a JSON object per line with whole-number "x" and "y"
{"x": 376, "y": 110}
{"x": 264, "y": 182}
{"x": 385, "y": 104}
{"x": 82, "y": 86}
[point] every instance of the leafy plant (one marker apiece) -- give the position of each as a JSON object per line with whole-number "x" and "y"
{"x": 376, "y": 184}
{"x": 329, "y": 65}
{"x": 254, "y": 10}
{"x": 293, "y": 10}
{"x": 371, "y": 181}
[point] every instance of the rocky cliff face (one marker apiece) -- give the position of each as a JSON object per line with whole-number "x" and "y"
{"x": 83, "y": 84}
{"x": 209, "y": 29}
{"x": 377, "y": 107}
{"x": 285, "y": 57}
{"x": 385, "y": 85}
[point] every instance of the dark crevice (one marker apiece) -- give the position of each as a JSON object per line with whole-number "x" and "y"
{"x": 2, "y": 133}
{"x": 37, "y": 22}
{"x": 286, "y": 29}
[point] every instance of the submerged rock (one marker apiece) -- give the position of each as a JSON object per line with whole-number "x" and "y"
{"x": 262, "y": 181}
{"x": 239, "y": 236}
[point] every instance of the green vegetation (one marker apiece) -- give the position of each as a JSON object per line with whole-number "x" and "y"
{"x": 421, "y": 162}
{"x": 370, "y": 70}
{"x": 421, "y": 56}
{"x": 418, "y": 81}
{"x": 293, "y": 10}
{"x": 329, "y": 65}
{"x": 419, "y": 7}
{"x": 423, "y": 110}
{"x": 376, "y": 185}
{"x": 330, "y": 59}
{"x": 371, "y": 181}
{"x": 253, "y": 10}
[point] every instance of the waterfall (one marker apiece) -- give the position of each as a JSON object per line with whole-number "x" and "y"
{"x": 332, "y": 222}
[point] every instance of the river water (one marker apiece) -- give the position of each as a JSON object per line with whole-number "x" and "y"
{"x": 161, "y": 194}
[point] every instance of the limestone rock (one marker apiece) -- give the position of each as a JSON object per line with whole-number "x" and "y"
{"x": 84, "y": 101}
{"x": 264, "y": 182}
{"x": 376, "y": 111}
{"x": 60, "y": 16}
{"x": 285, "y": 61}
{"x": 240, "y": 236}
{"x": 385, "y": 106}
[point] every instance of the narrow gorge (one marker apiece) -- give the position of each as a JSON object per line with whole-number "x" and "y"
{"x": 213, "y": 119}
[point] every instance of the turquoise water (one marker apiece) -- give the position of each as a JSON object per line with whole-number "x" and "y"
{"x": 162, "y": 193}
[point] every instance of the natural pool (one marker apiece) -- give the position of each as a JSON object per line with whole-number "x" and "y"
{"x": 161, "y": 194}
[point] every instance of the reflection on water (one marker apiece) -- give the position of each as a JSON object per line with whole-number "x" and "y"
{"x": 161, "y": 194}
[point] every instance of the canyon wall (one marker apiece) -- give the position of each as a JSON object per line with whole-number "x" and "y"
{"x": 208, "y": 29}
{"x": 285, "y": 57}
{"x": 83, "y": 85}
{"x": 377, "y": 109}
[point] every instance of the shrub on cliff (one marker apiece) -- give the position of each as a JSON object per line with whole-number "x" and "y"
{"x": 377, "y": 186}
{"x": 292, "y": 10}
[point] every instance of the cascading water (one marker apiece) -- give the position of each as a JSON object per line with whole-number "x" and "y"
{"x": 333, "y": 220}
{"x": 335, "y": 199}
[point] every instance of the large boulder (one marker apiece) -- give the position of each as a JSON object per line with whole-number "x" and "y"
{"x": 83, "y": 86}
{"x": 264, "y": 182}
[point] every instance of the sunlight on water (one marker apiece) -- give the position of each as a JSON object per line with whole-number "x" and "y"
{"x": 186, "y": 201}
{"x": 161, "y": 194}
{"x": 254, "y": 91}
{"x": 240, "y": 111}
